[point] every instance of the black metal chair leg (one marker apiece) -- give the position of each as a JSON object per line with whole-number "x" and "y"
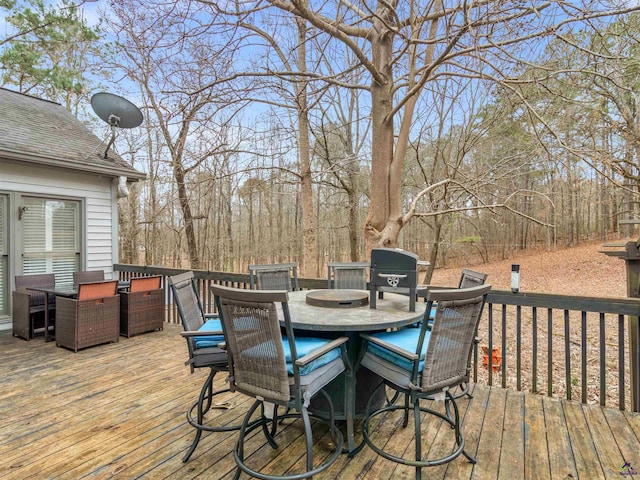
{"x": 202, "y": 406}
{"x": 405, "y": 422}
{"x": 308, "y": 437}
{"x": 238, "y": 451}
{"x": 464, "y": 390}
{"x": 205, "y": 392}
{"x": 269, "y": 434}
{"x": 418, "y": 434}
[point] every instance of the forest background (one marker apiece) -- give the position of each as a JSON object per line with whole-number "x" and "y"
{"x": 306, "y": 131}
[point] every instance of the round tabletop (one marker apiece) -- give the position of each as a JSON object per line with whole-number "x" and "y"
{"x": 338, "y": 298}
{"x": 392, "y": 311}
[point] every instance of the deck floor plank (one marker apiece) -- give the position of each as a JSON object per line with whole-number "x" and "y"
{"x": 536, "y": 457}
{"x": 561, "y": 462}
{"x": 512, "y": 452}
{"x": 443, "y": 444}
{"x": 490, "y": 441}
{"x": 118, "y": 411}
{"x": 584, "y": 452}
{"x": 629, "y": 445}
{"x": 471, "y": 429}
{"x": 604, "y": 441}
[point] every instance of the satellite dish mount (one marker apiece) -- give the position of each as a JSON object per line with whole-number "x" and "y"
{"x": 116, "y": 111}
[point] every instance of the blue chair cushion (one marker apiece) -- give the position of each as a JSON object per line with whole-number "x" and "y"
{"x": 407, "y": 339}
{"x": 432, "y": 315}
{"x": 304, "y": 346}
{"x": 210, "y": 340}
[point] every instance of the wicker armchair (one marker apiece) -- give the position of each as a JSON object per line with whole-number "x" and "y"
{"x": 277, "y": 370}
{"x": 86, "y": 276}
{"x": 203, "y": 333}
{"x": 142, "y": 306}
{"x": 471, "y": 278}
{"x": 91, "y": 319}
{"x": 280, "y": 276}
{"x": 29, "y": 306}
{"x": 468, "y": 278}
{"x": 427, "y": 364}
{"x": 349, "y": 275}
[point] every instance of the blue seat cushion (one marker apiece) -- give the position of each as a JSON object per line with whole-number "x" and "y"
{"x": 212, "y": 325}
{"x": 407, "y": 339}
{"x": 304, "y": 346}
{"x": 432, "y": 315}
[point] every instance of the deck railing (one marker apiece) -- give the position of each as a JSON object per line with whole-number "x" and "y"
{"x": 560, "y": 345}
{"x": 568, "y": 345}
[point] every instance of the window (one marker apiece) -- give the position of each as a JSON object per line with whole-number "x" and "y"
{"x": 50, "y": 237}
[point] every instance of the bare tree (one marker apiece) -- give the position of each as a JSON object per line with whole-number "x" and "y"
{"x": 175, "y": 63}
{"x": 404, "y": 46}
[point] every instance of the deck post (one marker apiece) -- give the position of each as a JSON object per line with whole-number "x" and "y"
{"x": 633, "y": 291}
{"x": 631, "y": 257}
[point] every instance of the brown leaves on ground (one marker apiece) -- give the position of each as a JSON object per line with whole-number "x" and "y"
{"x": 581, "y": 270}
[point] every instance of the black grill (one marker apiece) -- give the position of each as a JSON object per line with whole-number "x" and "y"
{"x": 393, "y": 270}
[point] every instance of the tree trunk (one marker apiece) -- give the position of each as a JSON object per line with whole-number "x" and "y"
{"x": 192, "y": 247}
{"x": 309, "y": 266}
{"x": 433, "y": 253}
{"x": 383, "y": 222}
{"x": 353, "y": 224}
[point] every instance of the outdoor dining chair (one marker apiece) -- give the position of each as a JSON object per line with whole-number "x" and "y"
{"x": 425, "y": 364}
{"x": 277, "y": 276}
{"x": 277, "y": 370}
{"x": 90, "y": 319}
{"x": 142, "y": 306}
{"x": 29, "y": 305}
{"x": 203, "y": 333}
{"x": 347, "y": 275}
{"x": 85, "y": 276}
{"x": 468, "y": 278}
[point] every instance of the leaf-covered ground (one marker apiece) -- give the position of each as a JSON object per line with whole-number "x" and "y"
{"x": 581, "y": 270}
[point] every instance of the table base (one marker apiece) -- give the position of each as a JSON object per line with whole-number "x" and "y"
{"x": 366, "y": 384}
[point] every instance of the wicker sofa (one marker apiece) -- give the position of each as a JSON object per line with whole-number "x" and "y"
{"x": 29, "y": 306}
{"x": 142, "y": 306}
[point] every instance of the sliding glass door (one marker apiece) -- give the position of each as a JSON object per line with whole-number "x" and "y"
{"x": 50, "y": 237}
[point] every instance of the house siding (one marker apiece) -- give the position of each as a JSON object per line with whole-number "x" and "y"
{"x": 99, "y": 209}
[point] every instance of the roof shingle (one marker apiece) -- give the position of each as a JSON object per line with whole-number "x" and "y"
{"x": 39, "y": 131}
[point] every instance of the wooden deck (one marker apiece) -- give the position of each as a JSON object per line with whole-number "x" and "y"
{"x": 117, "y": 411}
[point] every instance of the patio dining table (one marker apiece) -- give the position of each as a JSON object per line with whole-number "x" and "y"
{"x": 65, "y": 290}
{"x": 350, "y": 318}
{"x": 68, "y": 291}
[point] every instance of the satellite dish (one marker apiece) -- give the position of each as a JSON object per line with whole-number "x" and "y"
{"x": 118, "y": 112}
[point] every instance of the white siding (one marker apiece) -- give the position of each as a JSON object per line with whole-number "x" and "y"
{"x": 99, "y": 219}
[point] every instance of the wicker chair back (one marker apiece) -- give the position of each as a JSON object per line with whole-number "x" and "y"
{"x": 282, "y": 276}
{"x": 347, "y": 275}
{"x": 88, "y": 276}
{"x": 39, "y": 280}
{"x": 45, "y": 280}
{"x": 187, "y": 300}
{"x": 257, "y": 361}
{"x": 94, "y": 290}
{"x": 456, "y": 320}
{"x": 144, "y": 284}
{"x": 471, "y": 278}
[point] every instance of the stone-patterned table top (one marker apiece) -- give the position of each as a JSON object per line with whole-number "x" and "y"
{"x": 392, "y": 311}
